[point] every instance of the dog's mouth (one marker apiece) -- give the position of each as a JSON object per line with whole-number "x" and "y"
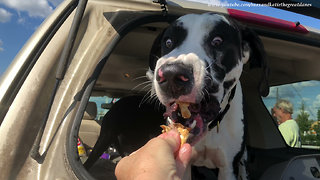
{"x": 194, "y": 116}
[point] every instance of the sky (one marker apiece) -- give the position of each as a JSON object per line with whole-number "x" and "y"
{"x": 19, "y": 19}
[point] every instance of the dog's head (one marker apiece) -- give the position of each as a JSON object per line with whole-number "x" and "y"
{"x": 202, "y": 60}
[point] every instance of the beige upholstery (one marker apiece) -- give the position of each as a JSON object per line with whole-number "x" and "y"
{"x": 91, "y": 111}
{"x": 89, "y": 129}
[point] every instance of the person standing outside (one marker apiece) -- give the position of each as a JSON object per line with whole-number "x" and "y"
{"x": 288, "y": 127}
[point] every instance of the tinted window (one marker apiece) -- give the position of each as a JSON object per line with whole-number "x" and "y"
{"x": 305, "y": 99}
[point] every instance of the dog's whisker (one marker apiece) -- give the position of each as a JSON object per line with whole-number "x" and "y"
{"x": 151, "y": 96}
{"x": 202, "y": 93}
{"x": 154, "y": 55}
{"x": 141, "y": 84}
{"x": 209, "y": 77}
{"x": 155, "y": 99}
{"x": 208, "y": 94}
{"x": 140, "y": 77}
{"x": 209, "y": 65}
{"x": 146, "y": 97}
{"x": 146, "y": 86}
{"x": 159, "y": 105}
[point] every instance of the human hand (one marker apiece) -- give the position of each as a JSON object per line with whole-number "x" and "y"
{"x": 161, "y": 158}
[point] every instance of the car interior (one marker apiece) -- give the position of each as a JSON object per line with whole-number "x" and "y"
{"x": 290, "y": 58}
{"x": 83, "y": 74}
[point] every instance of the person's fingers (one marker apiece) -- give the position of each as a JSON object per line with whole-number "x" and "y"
{"x": 184, "y": 154}
{"x": 183, "y": 158}
{"x": 170, "y": 156}
{"x": 173, "y": 139}
{"x": 123, "y": 167}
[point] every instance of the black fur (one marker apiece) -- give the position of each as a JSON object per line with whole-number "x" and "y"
{"x": 229, "y": 47}
{"x": 128, "y": 125}
{"x": 176, "y": 33}
{"x": 258, "y": 58}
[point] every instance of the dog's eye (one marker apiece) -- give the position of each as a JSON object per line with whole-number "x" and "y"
{"x": 169, "y": 43}
{"x": 216, "y": 41}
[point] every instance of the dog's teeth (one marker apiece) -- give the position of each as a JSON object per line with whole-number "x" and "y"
{"x": 194, "y": 123}
{"x": 169, "y": 120}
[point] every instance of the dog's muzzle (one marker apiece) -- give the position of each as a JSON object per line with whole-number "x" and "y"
{"x": 175, "y": 79}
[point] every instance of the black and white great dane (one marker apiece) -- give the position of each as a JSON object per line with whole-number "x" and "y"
{"x": 202, "y": 57}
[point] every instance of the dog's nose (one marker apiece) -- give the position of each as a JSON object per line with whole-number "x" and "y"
{"x": 175, "y": 79}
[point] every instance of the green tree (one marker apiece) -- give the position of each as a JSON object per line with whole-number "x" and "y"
{"x": 317, "y": 128}
{"x": 303, "y": 119}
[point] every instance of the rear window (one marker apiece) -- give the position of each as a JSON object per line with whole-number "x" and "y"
{"x": 305, "y": 112}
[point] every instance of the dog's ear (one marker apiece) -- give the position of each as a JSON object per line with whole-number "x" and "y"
{"x": 253, "y": 46}
{"x": 245, "y": 52}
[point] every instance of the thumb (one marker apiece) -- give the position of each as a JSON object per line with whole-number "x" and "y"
{"x": 173, "y": 139}
{"x": 183, "y": 159}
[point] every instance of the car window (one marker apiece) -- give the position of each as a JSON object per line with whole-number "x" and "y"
{"x": 103, "y": 103}
{"x": 295, "y": 109}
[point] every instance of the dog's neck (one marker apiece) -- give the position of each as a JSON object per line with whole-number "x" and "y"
{"x": 218, "y": 119}
{"x": 211, "y": 143}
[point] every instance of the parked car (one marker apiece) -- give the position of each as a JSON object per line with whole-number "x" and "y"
{"x": 101, "y": 48}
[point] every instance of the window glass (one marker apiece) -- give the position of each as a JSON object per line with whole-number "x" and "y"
{"x": 296, "y": 110}
{"x": 104, "y": 103}
{"x": 90, "y": 130}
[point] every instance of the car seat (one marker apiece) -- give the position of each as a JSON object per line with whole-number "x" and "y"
{"x": 89, "y": 128}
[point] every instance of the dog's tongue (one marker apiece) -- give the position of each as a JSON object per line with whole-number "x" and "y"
{"x": 170, "y": 110}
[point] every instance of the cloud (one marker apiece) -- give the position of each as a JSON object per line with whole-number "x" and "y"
{"x": 316, "y": 102}
{"x": 55, "y": 2}
{"x": 291, "y": 90}
{"x": 304, "y": 99}
{"x": 1, "y": 44}
{"x": 21, "y": 20}
{"x": 284, "y": 91}
{"x": 5, "y": 16}
{"x": 303, "y": 84}
{"x": 34, "y": 8}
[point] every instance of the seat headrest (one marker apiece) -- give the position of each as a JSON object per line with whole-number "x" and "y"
{"x": 91, "y": 111}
